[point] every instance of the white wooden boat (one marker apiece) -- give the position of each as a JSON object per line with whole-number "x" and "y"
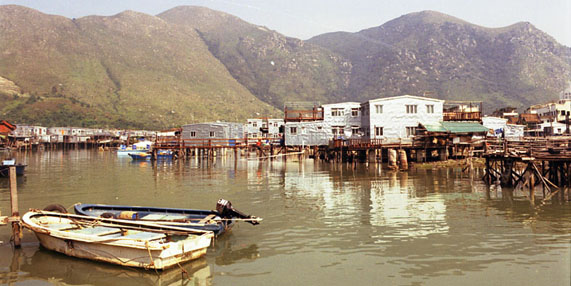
{"x": 135, "y": 244}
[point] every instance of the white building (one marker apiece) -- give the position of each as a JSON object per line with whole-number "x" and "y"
{"x": 399, "y": 116}
{"x": 499, "y": 127}
{"x": 310, "y": 133}
{"x": 340, "y": 121}
{"x": 344, "y": 119}
{"x": 556, "y": 111}
{"x": 553, "y": 128}
{"x": 264, "y": 128}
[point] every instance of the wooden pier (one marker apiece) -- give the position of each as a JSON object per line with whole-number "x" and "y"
{"x": 531, "y": 165}
{"x": 184, "y": 148}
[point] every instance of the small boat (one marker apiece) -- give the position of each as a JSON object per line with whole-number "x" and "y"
{"x": 218, "y": 221}
{"x": 139, "y": 147}
{"x": 140, "y": 156}
{"x": 164, "y": 154}
{"x": 126, "y": 243}
{"x": 5, "y": 168}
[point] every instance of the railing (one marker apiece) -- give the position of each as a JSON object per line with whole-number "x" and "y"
{"x": 462, "y": 116}
{"x": 174, "y": 142}
{"x": 303, "y": 115}
{"x": 369, "y": 143}
{"x": 536, "y": 147}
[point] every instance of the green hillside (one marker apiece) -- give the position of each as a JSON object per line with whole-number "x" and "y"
{"x": 192, "y": 64}
{"x": 130, "y": 70}
{"x": 273, "y": 67}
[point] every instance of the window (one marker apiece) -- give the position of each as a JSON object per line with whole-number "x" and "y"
{"x": 378, "y": 131}
{"x": 212, "y": 134}
{"x": 562, "y": 112}
{"x": 337, "y": 112}
{"x": 255, "y": 124}
{"x": 355, "y": 130}
{"x": 355, "y": 112}
{"x": 379, "y": 108}
{"x": 411, "y": 108}
{"x": 192, "y": 133}
{"x": 429, "y": 108}
{"x": 293, "y": 130}
{"x": 319, "y": 127}
{"x": 410, "y": 131}
{"x": 335, "y": 131}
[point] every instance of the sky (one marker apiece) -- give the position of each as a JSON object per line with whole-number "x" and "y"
{"x": 304, "y": 19}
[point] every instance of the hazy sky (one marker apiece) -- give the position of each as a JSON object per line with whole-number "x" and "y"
{"x": 306, "y": 18}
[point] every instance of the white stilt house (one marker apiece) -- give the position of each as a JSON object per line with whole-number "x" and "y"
{"x": 344, "y": 119}
{"x": 335, "y": 121}
{"x": 398, "y": 116}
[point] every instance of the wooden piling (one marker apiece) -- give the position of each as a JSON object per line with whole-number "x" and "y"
{"x": 392, "y": 158}
{"x": 403, "y": 159}
{"x": 16, "y": 228}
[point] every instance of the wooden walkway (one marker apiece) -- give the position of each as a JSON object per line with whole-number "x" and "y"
{"x": 536, "y": 163}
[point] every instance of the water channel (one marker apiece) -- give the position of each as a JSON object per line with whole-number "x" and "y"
{"x": 324, "y": 224}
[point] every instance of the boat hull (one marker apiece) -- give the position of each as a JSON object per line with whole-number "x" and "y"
{"x": 140, "y": 156}
{"x": 126, "y": 152}
{"x": 132, "y": 244}
{"x": 197, "y": 219}
{"x": 5, "y": 170}
{"x": 131, "y": 257}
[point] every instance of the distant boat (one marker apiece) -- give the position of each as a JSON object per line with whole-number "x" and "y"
{"x": 164, "y": 154}
{"x": 139, "y": 147}
{"x": 140, "y": 156}
{"x": 5, "y": 168}
{"x": 218, "y": 221}
{"x": 126, "y": 243}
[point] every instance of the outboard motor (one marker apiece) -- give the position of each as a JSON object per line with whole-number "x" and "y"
{"x": 225, "y": 209}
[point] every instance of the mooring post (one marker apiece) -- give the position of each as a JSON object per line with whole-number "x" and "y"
{"x": 15, "y": 219}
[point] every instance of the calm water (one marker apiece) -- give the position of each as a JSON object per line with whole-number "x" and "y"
{"x": 323, "y": 224}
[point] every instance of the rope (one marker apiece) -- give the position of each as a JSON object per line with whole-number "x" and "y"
{"x": 184, "y": 272}
{"x": 152, "y": 263}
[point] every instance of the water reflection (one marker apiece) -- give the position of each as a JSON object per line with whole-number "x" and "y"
{"x": 42, "y": 265}
{"x": 333, "y": 224}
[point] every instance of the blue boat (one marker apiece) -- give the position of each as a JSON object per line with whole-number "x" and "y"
{"x": 5, "y": 168}
{"x": 218, "y": 221}
{"x": 164, "y": 154}
{"x": 140, "y": 156}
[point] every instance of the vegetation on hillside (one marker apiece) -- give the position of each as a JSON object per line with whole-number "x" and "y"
{"x": 192, "y": 64}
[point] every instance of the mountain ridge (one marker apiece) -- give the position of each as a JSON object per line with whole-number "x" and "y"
{"x": 191, "y": 64}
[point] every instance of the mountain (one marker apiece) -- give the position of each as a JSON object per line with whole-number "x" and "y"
{"x": 192, "y": 64}
{"x": 275, "y": 68}
{"x": 130, "y": 70}
{"x": 449, "y": 58}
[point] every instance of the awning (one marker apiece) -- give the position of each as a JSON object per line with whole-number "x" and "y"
{"x": 456, "y": 127}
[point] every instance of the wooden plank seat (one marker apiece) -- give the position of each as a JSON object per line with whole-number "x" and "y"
{"x": 145, "y": 235}
{"x": 62, "y": 226}
{"x": 164, "y": 217}
{"x": 98, "y": 230}
{"x": 206, "y": 219}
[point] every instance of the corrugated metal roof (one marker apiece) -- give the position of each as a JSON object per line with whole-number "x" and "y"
{"x": 464, "y": 127}
{"x": 435, "y": 128}
{"x": 456, "y": 127}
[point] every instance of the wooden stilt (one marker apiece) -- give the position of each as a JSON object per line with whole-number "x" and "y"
{"x": 16, "y": 228}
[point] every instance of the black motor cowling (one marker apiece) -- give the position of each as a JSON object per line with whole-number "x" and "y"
{"x": 225, "y": 209}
